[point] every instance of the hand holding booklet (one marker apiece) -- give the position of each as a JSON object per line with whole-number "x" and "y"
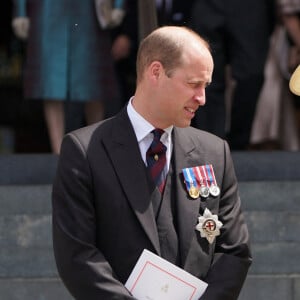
{"x": 154, "y": 278}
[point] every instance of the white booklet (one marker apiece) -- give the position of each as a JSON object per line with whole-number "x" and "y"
{"x": 154, "y": 278}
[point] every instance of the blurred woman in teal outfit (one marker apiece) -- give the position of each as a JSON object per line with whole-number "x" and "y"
{"x": 68, "y": 58}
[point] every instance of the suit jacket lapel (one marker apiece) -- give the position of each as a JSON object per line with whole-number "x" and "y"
{"x": 125, "y": 155}
{"x": 187, "y": 209}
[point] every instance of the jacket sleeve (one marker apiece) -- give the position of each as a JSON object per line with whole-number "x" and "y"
{"x": 232, "y": 252}
{"x": 83, "y": 268}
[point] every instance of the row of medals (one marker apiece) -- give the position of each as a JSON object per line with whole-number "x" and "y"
{"x": 204, "y": 191}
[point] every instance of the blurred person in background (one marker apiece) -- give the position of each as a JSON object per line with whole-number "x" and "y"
{"x": 289, "y": 12}
{"x": 238, "y": 32}
{"x": 276, "y": 123}
{"x": 68, "y": 59}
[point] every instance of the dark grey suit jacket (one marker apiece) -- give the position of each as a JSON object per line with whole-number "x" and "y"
{"x": 103, "y": 216}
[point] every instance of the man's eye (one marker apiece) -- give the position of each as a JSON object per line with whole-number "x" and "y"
{"x": 193, "y": 84}
{"x": 196, "y": 85}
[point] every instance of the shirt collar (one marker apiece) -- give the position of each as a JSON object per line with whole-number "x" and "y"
{"x": 141, "y": 126}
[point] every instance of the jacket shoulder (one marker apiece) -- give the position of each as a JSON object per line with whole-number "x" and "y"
{"x": 85, "y": 135}
{"x": 201, "y": 136}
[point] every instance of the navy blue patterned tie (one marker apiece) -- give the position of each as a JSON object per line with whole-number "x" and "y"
{"x": 156, "y": 159}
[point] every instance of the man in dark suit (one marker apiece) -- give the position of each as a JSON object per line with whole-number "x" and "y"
{"x": 242, "y": 47}
{"x": 107, "y": 208}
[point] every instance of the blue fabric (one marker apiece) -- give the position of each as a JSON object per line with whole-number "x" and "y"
{"x": 68, "y": 55}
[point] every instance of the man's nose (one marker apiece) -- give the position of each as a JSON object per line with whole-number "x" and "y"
{"x": 200, "y": 97}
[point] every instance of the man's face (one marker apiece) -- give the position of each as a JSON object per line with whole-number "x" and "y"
{"x": 182, "y": 92}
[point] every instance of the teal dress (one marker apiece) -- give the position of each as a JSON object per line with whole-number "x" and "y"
{"x": 68, "y": 54}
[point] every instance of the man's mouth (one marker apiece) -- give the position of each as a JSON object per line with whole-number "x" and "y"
{"x": 191, "y": 110}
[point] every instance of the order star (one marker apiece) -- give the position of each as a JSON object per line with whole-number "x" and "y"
{"x": 209, "y": 225}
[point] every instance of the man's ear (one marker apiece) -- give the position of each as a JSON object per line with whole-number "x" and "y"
{"x": 155, "y": 69}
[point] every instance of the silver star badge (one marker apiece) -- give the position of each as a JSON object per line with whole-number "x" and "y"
{"x": 209, "y": 225}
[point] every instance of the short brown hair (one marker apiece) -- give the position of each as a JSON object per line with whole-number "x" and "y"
{"x": 164, "y": 46}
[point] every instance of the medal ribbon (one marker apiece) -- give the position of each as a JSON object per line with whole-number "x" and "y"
{"x": 210, "y": 174}
{"x": 213, "y": 174}
{"x": 204, "y": 175}
{"x": 189, "y": 178}
{"x": 199, "y": 177}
